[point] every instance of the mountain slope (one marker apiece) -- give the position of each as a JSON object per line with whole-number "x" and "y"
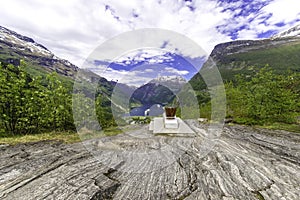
{"x": 14, "y": 47}
{"x": 40, "y": 61}
{"x": 174, "y": 83}
{"x": 247, "y": 56}
{"x": 152, "y": 93}
{"x": 161, "y": 90}
{"x": 292, "y": 32}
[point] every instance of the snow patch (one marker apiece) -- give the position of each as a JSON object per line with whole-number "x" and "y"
{"x": 292, "y": 32}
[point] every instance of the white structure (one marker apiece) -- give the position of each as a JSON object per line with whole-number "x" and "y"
{"x": 170, "y": 123}
{"x": 147, "y": 112}
{"x": 176, "y": 126}
{"x": 154, "y": 110}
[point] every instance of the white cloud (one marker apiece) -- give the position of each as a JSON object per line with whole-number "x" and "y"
{"x": 72, "y": 29}
{"x": 149, "y": 70}
{"x": 265, "y": 18}
{"x": 139, "y": 75}
{"x": 176, "y": 71}
{"x": 283, "y": 11}
{"x": 133, "y": 77}
{"x": 154, "y": 55}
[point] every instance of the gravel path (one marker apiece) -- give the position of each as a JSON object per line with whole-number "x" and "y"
{"x": 245, "y": 163}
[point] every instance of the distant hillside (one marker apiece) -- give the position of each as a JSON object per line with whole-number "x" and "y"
{"x": 292, "y": 32}
{"x": 40, "y": 61}
{"x": 280, "y": 52}
{"x": 14, "y": 47}
{"x": 174, "y": 83}
{"x": 161, "y": 90}
{"x": 152, "y": 93}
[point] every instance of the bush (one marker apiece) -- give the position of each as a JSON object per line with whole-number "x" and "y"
{"x": 265, "y": 98}
{"x": 28, "y": 106}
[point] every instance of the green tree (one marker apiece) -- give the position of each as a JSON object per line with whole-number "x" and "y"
{"x": 265, "y": 98}
{"x": 34, "y": 106}
{"x": 83, "y": 111}
{"x": 104, "y": 113}
{"x": 13, "y": 89}
{"x": 31, "y": 104}
{"x": 57, "y": 110}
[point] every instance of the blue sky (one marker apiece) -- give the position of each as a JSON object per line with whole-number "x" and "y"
{"x": 138, "y": 69}
{"x": 72, "y": 29}
{"x": 168, "y": 59}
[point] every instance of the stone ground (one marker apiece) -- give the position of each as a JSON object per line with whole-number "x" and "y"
{"x": 245, "y": 163}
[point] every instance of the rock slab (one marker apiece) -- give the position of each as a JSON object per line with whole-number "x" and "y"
{"x": 245, "y": 163}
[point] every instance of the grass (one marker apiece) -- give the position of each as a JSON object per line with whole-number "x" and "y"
{"x": 86, "y": 134}
{"x": 259, "y": 195}
{"x": 281, "y": 126}
{"x": 68, "y": 137}
{"x": 274, "y": 126}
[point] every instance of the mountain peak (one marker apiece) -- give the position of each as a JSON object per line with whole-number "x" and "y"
{"x": 4, "y": 30}
{"x": 292, "y": 32}
{"x": 163, "y": 79}
{"x": 19, "y": 41}
{"x": 15, "y": 47}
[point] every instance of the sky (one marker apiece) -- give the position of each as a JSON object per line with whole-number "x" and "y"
{"x": 73, "y": 29}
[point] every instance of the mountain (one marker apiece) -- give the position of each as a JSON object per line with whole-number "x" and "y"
{"x": 174, "y": 83}
{"x": 14, "y": 47}
{"x": 123, "y": 87}
{"x": 152, "y": 93}
{"x": 292, "y": 32}
{"x": 40, "y": 61}
{"x": 161, "y": 90}
{"x": 247, "y": 56}
{"x": 120, "y": 95}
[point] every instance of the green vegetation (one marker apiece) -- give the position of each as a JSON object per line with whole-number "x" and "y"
{"x": 282, "y": 126}
{"x": 140, "y": 120}
{"x": 28, "y": 106}
{"x": 258, "y": 95}
{"x": 266, "y": 99}
{"x": 281, "y": 58}
{"x": 42, "y": 106}
{"x": 65, "y": 136}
